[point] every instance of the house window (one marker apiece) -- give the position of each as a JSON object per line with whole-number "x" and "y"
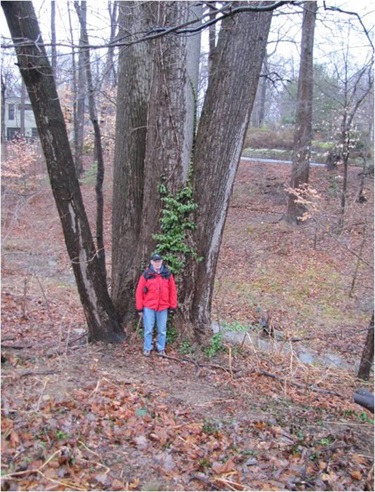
{"x": 11, "y": 112}
{"x": 34, "y": 133}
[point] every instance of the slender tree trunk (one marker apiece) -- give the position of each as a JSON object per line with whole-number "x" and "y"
{"x": 98, "y": 139}
{"x": 344, "y": 189}
{"x": 263, "y": 94}
{"x": 78, "y": 83}
{"x": 37, "y": 74}
{"x": 110, "y": 71}
{"x": 3, "y": 133}
{"x": 81, "y": 110}
{"x": 303, "y": 129}
{"x": 353, "y": 98}
{"x": 367, "y": 354}
{"x": 22, "y": 109}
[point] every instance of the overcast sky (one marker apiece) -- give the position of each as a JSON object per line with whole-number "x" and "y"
{"x": 98, "y": 26}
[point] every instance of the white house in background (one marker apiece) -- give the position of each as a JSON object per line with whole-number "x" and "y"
{"x": 13, "y": 119}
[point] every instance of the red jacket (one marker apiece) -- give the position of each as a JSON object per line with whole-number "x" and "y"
{"x": 156, "y": 291}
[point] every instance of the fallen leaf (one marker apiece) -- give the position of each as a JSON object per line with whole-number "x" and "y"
{"x": 356, "y": 474}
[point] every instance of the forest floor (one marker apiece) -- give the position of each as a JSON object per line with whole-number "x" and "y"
{"x": 245, "y": 416}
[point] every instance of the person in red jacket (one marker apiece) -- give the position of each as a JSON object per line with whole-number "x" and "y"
{"x": 155, "y": 297}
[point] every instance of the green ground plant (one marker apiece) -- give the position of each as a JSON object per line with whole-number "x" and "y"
{"x": 215, "y": 346}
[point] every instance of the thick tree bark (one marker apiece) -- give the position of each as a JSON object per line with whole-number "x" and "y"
{"x": 368, "y": 353}
{"x": 169, "y": 140}
{"x": 153, "y": 138}
{"x": 37, "y": 74}
{"x": 230, "y": 96}
{"x": 303, "y": 129}
{"x": 134, "y": 80}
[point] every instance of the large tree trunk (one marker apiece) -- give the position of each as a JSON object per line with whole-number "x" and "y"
{"x": 37, "y": 74}
{"x": 134, "y": 80}
{"x": 157, "y": 84}
{"x": 230, "y": 96}
{"x": 303, "y": 129}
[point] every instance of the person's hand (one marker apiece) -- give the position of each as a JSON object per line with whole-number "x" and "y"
{"x": 140, "y": 314}
{"x": 171, "y": 311}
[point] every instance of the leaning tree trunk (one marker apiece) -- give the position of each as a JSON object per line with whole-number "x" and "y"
{"x": 230, "y": 96}
{"x": 368, "y": 353}
{"x": 303, "y": 129}
{"x": 38, "y": 76}
{"x": 154, "y": 136}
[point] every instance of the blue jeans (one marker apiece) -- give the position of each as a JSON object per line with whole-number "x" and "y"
{"x": 149, "y": 317}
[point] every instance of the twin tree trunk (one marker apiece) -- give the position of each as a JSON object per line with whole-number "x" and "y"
{"x": 154, "y": 140}
{"x": 37, "y": 74}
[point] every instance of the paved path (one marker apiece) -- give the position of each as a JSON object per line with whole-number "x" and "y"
{"x": 277, "y": 161}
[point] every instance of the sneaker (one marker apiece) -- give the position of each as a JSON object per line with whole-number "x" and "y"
{"x": 147, "y": 353}
{"x": 161, "y": 352}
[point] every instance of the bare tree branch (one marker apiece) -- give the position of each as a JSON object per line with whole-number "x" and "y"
{"x": 226, "y": 11}
{"x": 348, "y": 12}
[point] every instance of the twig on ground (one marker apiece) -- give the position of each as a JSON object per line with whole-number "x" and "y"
{"x": 45, "y": 297}
{"x": 230, "y": 360}
{"x": 88, "y": 449}
{"x": 39, "y": 373}
{"x": 213, "y": 402}
{"x": 311, "y": 388}
{"x": 16, "y": 347}
{"x": 94, "y": 391}
{"x": 41, "y": 394}
{"x": 39, "y": 471}
{"x": 230, "y": 484}
{"x": 198, "y": 364}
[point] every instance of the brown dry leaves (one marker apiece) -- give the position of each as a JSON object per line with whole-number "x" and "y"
{"x": 108, "y": 432}
{"x": 77, "y": 417}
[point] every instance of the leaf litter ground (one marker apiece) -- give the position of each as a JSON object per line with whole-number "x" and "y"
{"x": 94, "y": 417}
